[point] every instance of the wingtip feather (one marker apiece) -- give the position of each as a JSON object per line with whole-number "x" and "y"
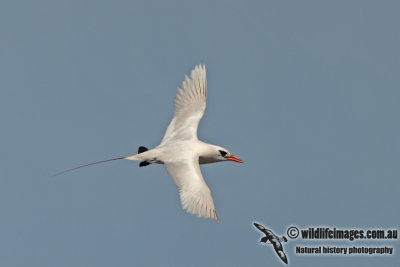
{"x": 195, "y": 205}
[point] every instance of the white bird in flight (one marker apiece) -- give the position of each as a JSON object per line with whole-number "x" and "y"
{"x": 181, "y": 151}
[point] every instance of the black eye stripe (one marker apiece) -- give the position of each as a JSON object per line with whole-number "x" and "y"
{"x": 223, "y": 153}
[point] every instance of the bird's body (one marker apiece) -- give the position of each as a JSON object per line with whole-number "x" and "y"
{"x": 181, "y": 151}
{"x": 178, "y": 151}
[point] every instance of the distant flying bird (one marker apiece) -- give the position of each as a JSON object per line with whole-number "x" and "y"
{"x": 181, "y": 151}
{"x": 273, "y": 240}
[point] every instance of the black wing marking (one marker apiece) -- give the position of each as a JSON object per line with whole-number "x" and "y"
{"x": 142, "y": 149}
{"x": 144, "y": 163}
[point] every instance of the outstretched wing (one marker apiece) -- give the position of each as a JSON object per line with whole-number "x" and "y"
{"x": 261, "y": 228}
{"x": 190, "y": 104}
{"x": 194, "y": 193}
{"x": 281, "y": 254}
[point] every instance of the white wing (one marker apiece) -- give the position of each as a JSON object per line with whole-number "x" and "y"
{"x": 190, "y": 104}
{"x": 193, "y": 190}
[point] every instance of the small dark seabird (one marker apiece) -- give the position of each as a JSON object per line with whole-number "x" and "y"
{"x": 274, "y": 240}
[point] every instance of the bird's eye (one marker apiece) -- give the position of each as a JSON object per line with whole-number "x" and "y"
{"x": 223, "y": 153}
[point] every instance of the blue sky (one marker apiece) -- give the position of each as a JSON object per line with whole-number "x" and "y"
{"x": 305, "y": 92}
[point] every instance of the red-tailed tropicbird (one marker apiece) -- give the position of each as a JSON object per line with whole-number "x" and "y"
{"x": 181, "y": 151}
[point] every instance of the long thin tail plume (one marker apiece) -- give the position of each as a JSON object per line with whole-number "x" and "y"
{"x": 86, "y": 165}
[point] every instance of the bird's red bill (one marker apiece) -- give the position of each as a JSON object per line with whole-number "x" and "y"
{"x": 233, "y": 158}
